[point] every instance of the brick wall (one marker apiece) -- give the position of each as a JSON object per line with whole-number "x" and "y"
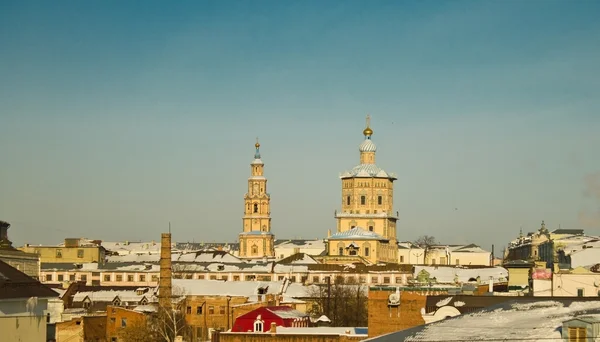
{"x": 384, "y": 320}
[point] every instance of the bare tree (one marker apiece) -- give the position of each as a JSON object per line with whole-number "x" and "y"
{"x": 425, "y": 242}
{"x": 344, "y": 303}
{"x": 163, "y": 325}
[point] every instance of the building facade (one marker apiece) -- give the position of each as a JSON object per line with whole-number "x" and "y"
{"x": 256, "y": 239}
{"x": 72, "y": 251}
{"x": 366, "y": 224}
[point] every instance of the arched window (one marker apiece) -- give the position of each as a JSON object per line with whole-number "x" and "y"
{"x": 366, "y": 251}
{"x": 363, "y": 200}
{"x": 255, "y": 207}
{"x": 258, "y": 325}
{"x": 254, "y": 249}
{"x": 341, "y": 251}
{"x": 347, "y": 200}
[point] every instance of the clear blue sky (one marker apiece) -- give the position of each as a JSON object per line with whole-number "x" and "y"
{"x": 117, "y": 117}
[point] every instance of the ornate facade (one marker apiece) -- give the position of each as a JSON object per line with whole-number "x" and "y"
{"x": 256, "y": 239}
{"x": 366, "y": 225}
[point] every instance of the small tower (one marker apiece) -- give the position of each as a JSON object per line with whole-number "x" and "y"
{"x": 256, "y": 239}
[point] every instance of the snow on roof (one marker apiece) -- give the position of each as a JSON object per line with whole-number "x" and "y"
{"x": 286, "y": 312}
{"x": 446, "y": 274}
{"x": 110, "y": 295}
{"x": 357, "y": 233}
{"x": 532, "y": 321}
{"x": 202, "y": 287}
{"x": 133, "y": 258}
{"x": 306, "y": 244}
{"x": 323, "y": 331}
{"x": 60, "y": 292}
{"x": 367, "y": 171}
{"x": 145, "y": 308}
{"x": 126, "y": 247}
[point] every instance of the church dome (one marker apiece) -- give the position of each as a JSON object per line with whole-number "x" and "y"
{"x": 367, "y": 146}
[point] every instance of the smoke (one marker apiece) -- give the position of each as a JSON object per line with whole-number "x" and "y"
{"x": 592, "y": 190}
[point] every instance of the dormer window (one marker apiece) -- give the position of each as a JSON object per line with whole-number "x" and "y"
{"x": 258, "y": 324}
{"x": 220, "y": 267}
{"x": 116, "y": 301}
{"x": 144, "y": 301}
{"x": 262, "y": 290}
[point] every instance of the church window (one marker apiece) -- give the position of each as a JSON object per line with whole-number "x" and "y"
{"x": 379, "y": 200}
{"x": 363, "y": 200}
{"x": 255, "y": 207}
{"x": 353, "y": 252}
{"x": 366, "y": 251}
{"x": 347, "y": 200}
{"x": 341, "y": 251}
{"x": 370, "y": 228}
{"x": 254, "y": 250}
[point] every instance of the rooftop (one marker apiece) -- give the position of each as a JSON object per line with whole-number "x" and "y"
{"x": 16, "y": 284}
{"x": 357, "y": 233}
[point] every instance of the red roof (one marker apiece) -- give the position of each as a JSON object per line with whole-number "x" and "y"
{"x": 280, "y": 315}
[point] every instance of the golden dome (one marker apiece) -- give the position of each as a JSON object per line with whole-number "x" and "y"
{"x": 368, "y": 131}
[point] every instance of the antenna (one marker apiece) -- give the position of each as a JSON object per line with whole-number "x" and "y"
{"x": 169, "y": 227}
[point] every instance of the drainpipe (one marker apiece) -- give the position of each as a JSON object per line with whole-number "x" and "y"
{"x": 228, "y": 300}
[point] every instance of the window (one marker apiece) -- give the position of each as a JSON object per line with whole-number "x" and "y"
{"x": 213, "y": 277}
{"x": 347, "y": 200}
{"x": 116, "y": 302}
{"x": 386, "y": 280}
{"x": 211, "y": 310}
{"x": 379, "y": 200}
{"x": 155, "y": 278}
{"x": 113, "y": 320}
{"x": 398, "y": 280}
{"x": 457, "y": 261}
{"x": 363, "y": 200}
{"x": 353, "y": 252}
{"x": 341, "y": 251}
{"x": 315, "y": 279}
{"x": 119, "y": 277}
{"x": 221, "y": 310}
{"x": 71, "y": 277}
{"x": 48, "y": 277}
{"x": 199, "y": 310}
{"x": 123, "y": 322}
{"x": 143, "y": 277}
{"x": 579, "y": 292}
{"x": 254, "y": 249}
{"x": 258, "y": 326}
{"x": 84, "y": 277}
{"x": 188, "y": 310}
{"x": 362, "y": 279}
{"x": 442, "y": 260}
{"x": 255, "y": 207}
{"x": 236, "y": 278}
{"x": 187, "y": 276}
{"x": 130, "y": 277}
{"x": 61, "y": 277}
{"x": 374, "y": 280}
{"x": 366, "y": 251}
{"x": 107, "y": 277}
{"x": 80, "y": 253}
{"x": 370, "y": 228}
{"x": 402, "y": 258}
{"x": 59, "y": 253}
{"x": 577, "y": 334}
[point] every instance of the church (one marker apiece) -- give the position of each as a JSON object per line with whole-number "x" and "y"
{"x": 366, "y": 224}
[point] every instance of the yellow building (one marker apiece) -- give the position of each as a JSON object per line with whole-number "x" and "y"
{"x": 256, "y": 239}
{"x": 72, "y": 251}
{"x": 366, "y": 225}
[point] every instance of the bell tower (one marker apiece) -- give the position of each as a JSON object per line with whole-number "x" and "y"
{"x": 256, "y": 239}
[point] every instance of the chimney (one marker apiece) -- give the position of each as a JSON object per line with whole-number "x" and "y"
{"x": 491, "y": 285}
{"x": 273, "y": 329}
{"x": 164, "y": 284}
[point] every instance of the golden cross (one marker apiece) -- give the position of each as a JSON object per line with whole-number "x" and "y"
{"x": 368, "y": 120}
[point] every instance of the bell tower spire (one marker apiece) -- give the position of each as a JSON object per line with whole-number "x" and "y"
{"x": 256, "y": 239}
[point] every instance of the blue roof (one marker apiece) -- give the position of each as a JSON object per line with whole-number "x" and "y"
{"x": 357, "y": 233}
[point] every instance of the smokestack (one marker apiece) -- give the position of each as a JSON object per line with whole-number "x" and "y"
{"x": 164, "y": 284}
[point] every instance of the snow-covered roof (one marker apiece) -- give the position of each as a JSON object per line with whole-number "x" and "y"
{"x": 126, "y": 247}
{"x": 198, "y": 287}
{"x": 447, "y": 274}
{"x": 145, "y": 308}
{"x": 356, "y": 233}
{"x": 534, "y": 321}
{"x": 286, "y": 312}
{"x": 367, "y": 146}
{"x": 350, "y": 331}
{"x": 302, "y": 244}
{"x": 367, "y": 171}
{"x": 110, "y": 295}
